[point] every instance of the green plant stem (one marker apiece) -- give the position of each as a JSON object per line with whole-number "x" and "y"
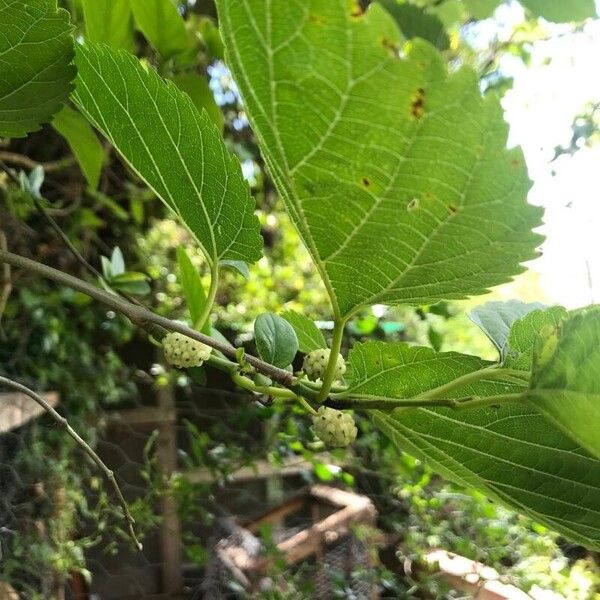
{"x": 493, "y": 372}
{"x": 389, "y": 404}
{"x": 210, "y": 298}
{"x": 302, "y": 401}
{"x": 336, "y": 346}
{"x": 60, "y": 420}
{"x": 248, "y": 384}
{"x": 141, "y": 316}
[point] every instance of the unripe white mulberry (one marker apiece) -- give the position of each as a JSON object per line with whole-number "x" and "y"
{"x": 315, "y": 364}
{"x": 334, "y": 427}
{"x": 183, "y": 352}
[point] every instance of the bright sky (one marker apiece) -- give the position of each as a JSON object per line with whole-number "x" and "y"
{"x": 563, "y": 76}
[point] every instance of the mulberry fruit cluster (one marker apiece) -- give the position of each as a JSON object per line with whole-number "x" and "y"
{"x": 315, "y": 364}
{"x": 334, "y": 427}
{"x": 183, "y": 352}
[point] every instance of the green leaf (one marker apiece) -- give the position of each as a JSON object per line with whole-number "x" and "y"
{"x": 117, "y": 262}
{"x": 109, "y": 22}
{"x": 193, "y": 289}
{"x": 482, "y": 9}
{"x": 32, "y": 183}
{"x": 162, "y": 25}
{"x": 83, "y": 143}
{"x": 496, "y": 319}
{"x": 131, "y": 282}
{"x": 413, "y": 22}
{"x": 561, "y": 11}
{"x": 239, "y": 265}
{"x": 276, "y": 340}
{"x": 512, "y": 453}
{"x": 106, "y": 268}
{"x": 566, "y": 377}
{"x": 196, "y": 87}
{"x": 398, "y": 180}
{"x": 36, "y": 47}
{"x": 174, "y": 148}
{"x": 525, "y": 333}
{"x": 309, "y": 335}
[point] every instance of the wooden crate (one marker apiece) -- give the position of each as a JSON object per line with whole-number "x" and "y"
{"x": 314, "y": 525}
{"x": 17, "y": 409}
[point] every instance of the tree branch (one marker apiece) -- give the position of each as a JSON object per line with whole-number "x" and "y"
{"x": 62, "y": 422}
{"x": 141, "y": 316}
{"x": 5, "y": 279}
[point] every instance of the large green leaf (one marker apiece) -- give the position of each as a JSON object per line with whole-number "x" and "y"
{"x": 496, "y": 319}
{"x": 83, "y": 142}
{"x": 566, "y": 378}
{"x": 395, "y": 173}
{"x": 561, "y": 11}
{"x": 36, "y": 52}
{"x": 161, "y": 24}
{"x": 109, "y": 22}
{"x": 511, "y": 453}
{"x": 174, "y": 148}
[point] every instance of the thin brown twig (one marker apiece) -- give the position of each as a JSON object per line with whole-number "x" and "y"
{"x": 28, "y": 163}
{"x": 60, "y": 420}
{"x": 5, "y": 278}
{"x": 141, "y": 316}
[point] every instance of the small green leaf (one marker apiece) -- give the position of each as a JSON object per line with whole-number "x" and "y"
{"x": 276, "y": 340}
{"x": 211, "y": 38}
{"x": 106, "y": 268}
{"x": 496, "y": 319}
{"x": 32, "y": 183}
{"x": 309, "y": 335}
{"x": 36, "y": 47}
{"x": 109, "y": 22}
{"x": 197, "y": 375}
{"x": 414, "y": 22}
{"x": 131, "y": 282}
{"x": 162, "y": 25}
{"x": 174, "y": 148}
{"x": 561, "y": 11}
{"x": 196, "y": 87}
{"x": 239, "y": 265}
{"x": 117, "y": 262}
{"x": 512, "y": 453}
{"x": 191, "y": 282}
{"x": 566, "y": 376}
{"x": 83, "y": 142}
{"x": 524, "y": 336}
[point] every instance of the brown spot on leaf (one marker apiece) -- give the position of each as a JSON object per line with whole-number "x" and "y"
{"x": 366, "y": 181}
{"x": 316, "y": 19}
{"x": 390, "y": 46}
{"x": 417, "y": 105}
{"x": 515, "y": 162}
{"x": 413, "y": 205}
{"x": 356, "y": 11}
{"x": 452, "y": 209}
